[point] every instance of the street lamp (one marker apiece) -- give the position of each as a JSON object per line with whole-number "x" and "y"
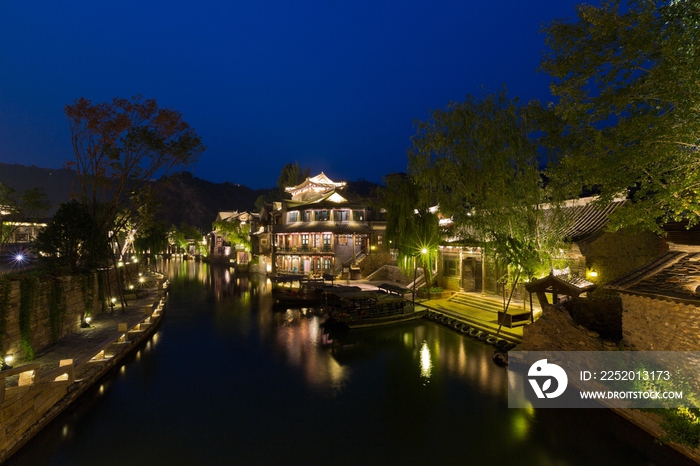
{"x": 423, "y": 251}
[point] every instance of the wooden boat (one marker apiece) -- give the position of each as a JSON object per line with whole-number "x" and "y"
{"x": 297, "y": 290}
{"x": 360, "y": 309}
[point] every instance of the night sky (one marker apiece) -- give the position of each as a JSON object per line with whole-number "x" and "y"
{"x": 333, "y": 85}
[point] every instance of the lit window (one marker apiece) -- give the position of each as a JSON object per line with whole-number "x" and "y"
{"x": 450, "y": 268}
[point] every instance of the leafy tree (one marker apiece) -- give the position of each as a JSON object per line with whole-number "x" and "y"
{"x": 412, "y": 228}
{"x": 480, "y": 160}
{"x": 119, "y": 147}
{"x": 292, "y": 174}
{"x": 73, "y": 239}
{"x": 153, "y": 240}
{"x": 191, "y": 232}
{"x": 234, "y": 232}
{"x": 177, "y": 238}
{"x": 627, "y": 76}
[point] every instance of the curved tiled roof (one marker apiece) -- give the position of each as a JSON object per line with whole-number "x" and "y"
{"x": 585, "y": 217}
{"x": 675, "y": 274}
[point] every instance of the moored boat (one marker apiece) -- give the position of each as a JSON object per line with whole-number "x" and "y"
{"x": 360, "y": 309}
{"x": 297, "y": 290}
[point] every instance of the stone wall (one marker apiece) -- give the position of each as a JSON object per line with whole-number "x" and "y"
{"x": 72, "y": 297}
{"x": 391, "y": 273}
{"x": 647, "y": 324}
{"x": 23, "y": 407}
{"x": 556, "y": 330}
{"x": 658, "y": 324}
{"x": 612, "y": 255}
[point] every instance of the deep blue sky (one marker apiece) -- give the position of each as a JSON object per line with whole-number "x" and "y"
{"x": 335, "y": 85}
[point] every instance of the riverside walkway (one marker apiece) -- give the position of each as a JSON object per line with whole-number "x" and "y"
{"x": 33, "y": 393}
{"x": 104, "y": 327}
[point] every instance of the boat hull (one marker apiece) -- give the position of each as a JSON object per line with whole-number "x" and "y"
{"x": 355, "y": 321}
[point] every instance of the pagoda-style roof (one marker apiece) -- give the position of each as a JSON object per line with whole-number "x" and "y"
{"x": 561, "y": 283}
{"x": 675, "y": 274}
{"x": 231, "y": 216}
{"x": 313, "y": 186}
{"x": 330, "y": 198}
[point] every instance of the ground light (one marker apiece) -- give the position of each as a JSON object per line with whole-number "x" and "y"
{"x": 6, "y": 362}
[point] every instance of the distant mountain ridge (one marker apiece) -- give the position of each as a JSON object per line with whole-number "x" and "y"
{"x": 184, "y": 197}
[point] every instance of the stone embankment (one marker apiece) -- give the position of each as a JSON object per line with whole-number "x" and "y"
{"x": 651, "y": 326}
{"x": 33, "y": 394}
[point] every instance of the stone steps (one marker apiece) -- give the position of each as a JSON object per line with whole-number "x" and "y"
{"x": 476, "y": 302}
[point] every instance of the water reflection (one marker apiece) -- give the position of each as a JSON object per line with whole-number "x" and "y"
{"x": 426, "y": 364}
{"x": 226, "y": 373}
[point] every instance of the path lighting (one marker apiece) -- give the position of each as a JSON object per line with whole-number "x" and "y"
{"x": 142, "y": 279}
{"x": 112, "y": 303}
{"x": 120, "y": 264}
{"x": 592, "y": 273}
{"x": 86, "y": 322}
{"x": 6, "y": 362}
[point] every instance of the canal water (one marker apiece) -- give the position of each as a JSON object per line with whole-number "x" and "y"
{"x": 228, "y": 380}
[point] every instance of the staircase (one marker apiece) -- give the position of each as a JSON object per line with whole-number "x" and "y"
{"x": 474, "y": 300}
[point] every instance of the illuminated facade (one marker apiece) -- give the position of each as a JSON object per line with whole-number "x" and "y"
{"x": 318, "y": 231}
{"x": 221, "y": 248}
{"x": 591, "y": 252}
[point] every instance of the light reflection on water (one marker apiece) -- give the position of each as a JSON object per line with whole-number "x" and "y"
{"x": 230, "y": 380}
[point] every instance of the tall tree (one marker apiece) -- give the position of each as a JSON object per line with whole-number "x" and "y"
{"x": 73, "y": 240}
{"x": 412, "y": 227}
{"x": 627, "y": 75}
{"x": 480, "y": 159}
{"x": 119, "y": 147}
{"x": 291, "y": 175}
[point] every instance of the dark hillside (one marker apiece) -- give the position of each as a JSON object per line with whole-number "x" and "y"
{"x": 194, "y": 201}
{"x": 184, "y": 197}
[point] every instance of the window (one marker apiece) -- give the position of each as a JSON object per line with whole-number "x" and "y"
{"x": 341, "y": 215}
{"x": 293, "y": 216}
{"x": 307, "y": 215}
{"x": 305, "y": 242}
{"x": 322, "y": 215}
{"x": 358, "y": 215}
{"x": 450, "y": 268}
{"x": 380, "y": 240}
{"x": 326, "y": 241}
{"x": 343, "y": 240}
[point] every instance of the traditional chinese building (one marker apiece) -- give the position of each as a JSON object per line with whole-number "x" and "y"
{"x": 318, "y": 231}
{"x": 223, "y": 248}
{"x": 591, "y": 252}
